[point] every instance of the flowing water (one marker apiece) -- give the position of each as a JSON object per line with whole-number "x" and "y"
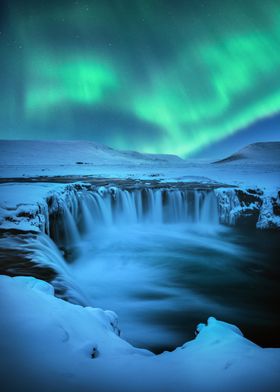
{"x": 161, "y": 260}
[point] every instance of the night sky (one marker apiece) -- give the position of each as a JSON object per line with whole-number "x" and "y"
{"x": 167, "y": 76}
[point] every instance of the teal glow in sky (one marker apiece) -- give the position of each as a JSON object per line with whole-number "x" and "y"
{"x": 157, "y": 76}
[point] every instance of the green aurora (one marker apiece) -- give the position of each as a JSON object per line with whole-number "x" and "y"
{"x": 156, "y": 76}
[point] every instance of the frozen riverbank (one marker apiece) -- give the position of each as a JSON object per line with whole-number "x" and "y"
{"x": 75, "y": 348}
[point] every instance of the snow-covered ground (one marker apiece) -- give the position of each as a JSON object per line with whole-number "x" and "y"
{"x": 49, "y": 345}
{"x": 24, "y": 159}
{"x": 69, "y": 153}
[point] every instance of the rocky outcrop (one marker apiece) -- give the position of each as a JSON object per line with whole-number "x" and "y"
{"x": 269, "y": 217}
{"x": 248, "y": 207}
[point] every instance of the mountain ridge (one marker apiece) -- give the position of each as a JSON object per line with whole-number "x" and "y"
{"x": 262, "y": 152}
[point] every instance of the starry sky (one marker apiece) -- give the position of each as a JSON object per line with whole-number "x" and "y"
{"x": 192, "y": 77}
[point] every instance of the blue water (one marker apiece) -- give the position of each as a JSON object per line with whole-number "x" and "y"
{"x": 162, "y": 280}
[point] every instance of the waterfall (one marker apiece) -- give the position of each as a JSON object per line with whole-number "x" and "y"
{"x": 37, "y": 255}
{"x": 70, "y": 226}
{"x": 44, "y": 252}
{"x": 68, "y": 218}
{"x": 116, "y": 206}
{"x": 85, "y": 210}
{"x": 209, "y": 209}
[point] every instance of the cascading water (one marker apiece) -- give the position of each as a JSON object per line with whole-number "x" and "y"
{"x": 37, "y": 255}
{"x": 112, "y": 206}
{"x": 156, "y": 206}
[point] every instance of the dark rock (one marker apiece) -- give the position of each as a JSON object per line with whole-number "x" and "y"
{"x": 246, "y": 198}
{"x": 26, "y": 214}
{"x": 94, "y": 353}
{"x": 255, "y": 191}
{"x": 251, "y": 202}
{"x": 275, "y": 205}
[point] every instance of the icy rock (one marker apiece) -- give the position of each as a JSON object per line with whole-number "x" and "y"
{"x": 250, "y": 207}
{"x": 212, "y": 322}
{"x": 101, "y": 190}
{"x": 228, "y": 205}
{"x": 267, "y": 218}
{"x": 276, "y": 204}
{"x": 113, "y": 190}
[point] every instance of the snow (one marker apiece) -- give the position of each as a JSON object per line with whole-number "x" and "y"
{"x": 22, "y": 205}
{"x": 262, "y": 152}
{"x": 69, "y": 152}
{"x": 78, "y": 348}
{"x": 24, "y": 159}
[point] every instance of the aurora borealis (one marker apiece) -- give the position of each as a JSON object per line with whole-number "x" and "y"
{"x": 153, "y": 75}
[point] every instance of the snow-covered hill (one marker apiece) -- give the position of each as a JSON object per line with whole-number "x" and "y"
{"x": 256, "y": 165}
{"x": 262, "y": 152}
{"x": 71, "y": 152}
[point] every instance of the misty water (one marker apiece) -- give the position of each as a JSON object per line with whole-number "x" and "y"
{"x": 162, "y": 279}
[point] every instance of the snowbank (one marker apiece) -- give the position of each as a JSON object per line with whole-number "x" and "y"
{"x": 49, "y": 344}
